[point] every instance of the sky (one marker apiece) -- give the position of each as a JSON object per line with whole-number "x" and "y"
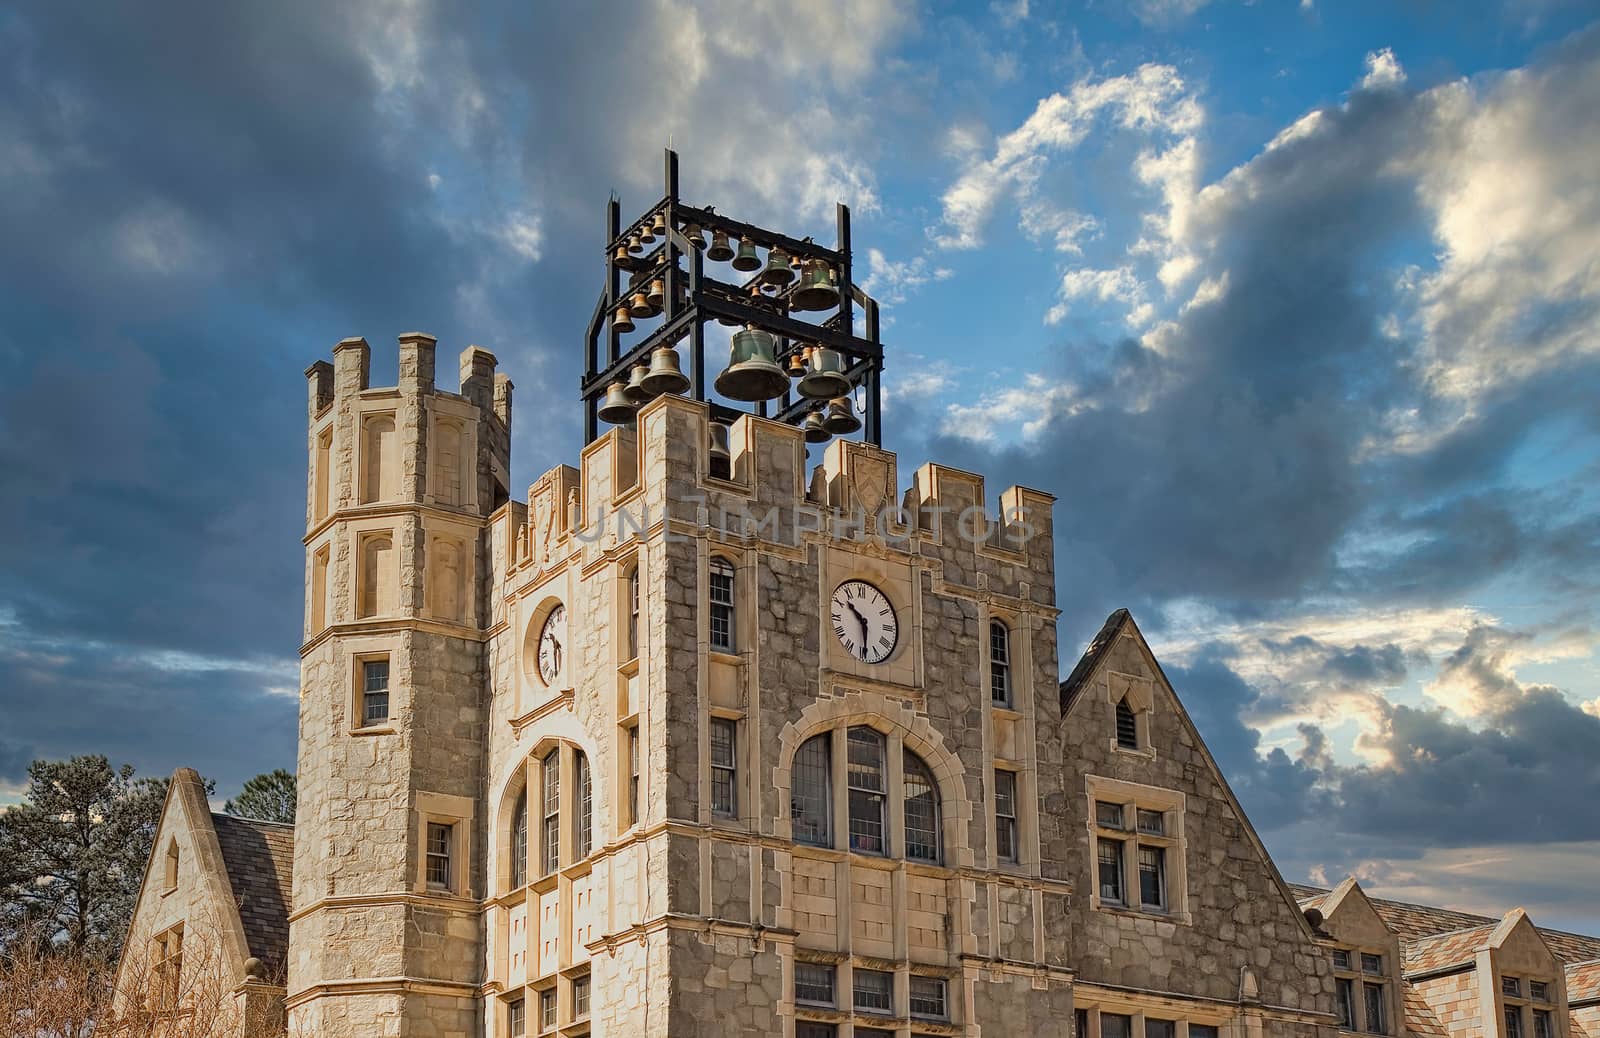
{"x": 1294, "y": 305}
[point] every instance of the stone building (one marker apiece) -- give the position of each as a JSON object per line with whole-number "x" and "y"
{"x": 682, "y": 747}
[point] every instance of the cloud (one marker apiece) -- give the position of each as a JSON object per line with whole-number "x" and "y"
{"x": 890, "y": 281}
{"x": 1161, "y": 13}
{"x": 1383, "y": 71}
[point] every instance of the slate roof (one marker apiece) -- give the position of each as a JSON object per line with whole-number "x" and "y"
{"x": 1583, "y": 982}
{"x": 259, "y": 857}
{"x": 1413, "y": 923}
{"x": 1443, "y": 950}
{"x": 1091, "y": 656}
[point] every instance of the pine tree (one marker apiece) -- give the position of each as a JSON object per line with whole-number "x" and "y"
{"x": 72, "y": 854}
{"x": 269, "y": 798}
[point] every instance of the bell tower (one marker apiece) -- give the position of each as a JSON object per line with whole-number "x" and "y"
{"x": 402, "y": 480}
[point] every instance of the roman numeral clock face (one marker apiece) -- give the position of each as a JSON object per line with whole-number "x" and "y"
{"x": 864, "y": 621}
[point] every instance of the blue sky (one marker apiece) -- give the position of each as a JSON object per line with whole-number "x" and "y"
{"x": 1294, "y": 306}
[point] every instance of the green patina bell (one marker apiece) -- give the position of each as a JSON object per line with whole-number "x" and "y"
{"x": 752, "y": 374}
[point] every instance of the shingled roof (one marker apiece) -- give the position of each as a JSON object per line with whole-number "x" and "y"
{"x": 259, "y": 857}
{"x": 1420, "y": 1019}
{"x": 1414, "y": 923}
{"x": 1091, "y": 656}
{"x": 1583, "y": 982}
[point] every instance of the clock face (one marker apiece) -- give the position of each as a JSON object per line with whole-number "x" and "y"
{"x": 553, "y": 644}
{"x": 864, "y": 621}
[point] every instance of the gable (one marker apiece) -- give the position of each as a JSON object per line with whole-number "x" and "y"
{"x": 1349, "y": 916}
{"x": 1235, "y": 910}
{"x": 1519, "y": 947}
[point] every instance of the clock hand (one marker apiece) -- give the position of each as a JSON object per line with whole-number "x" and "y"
{"x": 864, "y": 627}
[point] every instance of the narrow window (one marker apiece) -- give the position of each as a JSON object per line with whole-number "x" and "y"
{"x": 377, "y": 576}
{"x": 550, "y": 768}
{"x": 721, "y": 590}
{"x": 921, "y": 808}
{"x": 172, "y": 866}
{"x": 319, "y": 591}
{"x": 1372, "y": 964}
{"x": 374, "y": 692}
{"x": 813, "y": 984}
{"x": 448, "y": 488}
{"x": 1109, "y": 816}
{"x": 1542, "y": 1025}
{"x": 724, "y": 753}
{"x": 580, "y": 997}
{"x": 1005, "y": 815}
{"x": 1116, "y": 1025}
{"x": 1080, "y": 1023}
{"x": 1159, "y": 1028}
{"x": 867, "y": 786}
{"x": 999, "y": 664}
{"x": 633, "y": 774}
{"x": 378, "y": 461}
{"x": 1376, "y": 1016}
{"x": 1513, "y": 1022}
{"x": 873, "y": 990}
{"x": 1202, "y": 1031}
{"x": 1539, "y": 991}
{"x": 324, "y": 461}
{"x": 1127, "y": 726}
{"x": 633, "y": 612}
{"x": 517, "y": 1018}
{"x": 875, "y": 1032}
{"x": 583, "y": 818}
{"x": 811, "y": 793}
{"x": 519, "y": 843}
{"x": 439, "y": 839}
{"x": 547, "y": 1010}
{"x": 1508, "y": 985}
{"x": 1153, "y": 878}
{"x": 1341, "y": 959}
{"x": 928, "y": 998}
{"x": 1152, "y": 823}
{"x": 1110, "y": 855}
{"x": 802, "y": 1028}
{"x": 1346, "y": 997}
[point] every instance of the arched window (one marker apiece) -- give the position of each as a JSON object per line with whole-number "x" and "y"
{"x": 633, "y": 612}
{"x": 1127, "y": 726}
{"x": 720, "y": 574}
{"x": 868, "y": 785}
{"x": 811, "y": 792}
{"x": 519, "y": 842}
{"x": 377, "y": 576}
{"x": 999, "y": 663}
{"x": 171, "y": 871}
{"x": 922, "y": 810}
{"x": 583, "y": 818}
{"x": 550, "y": 770}
{"x": 378, "y": 460}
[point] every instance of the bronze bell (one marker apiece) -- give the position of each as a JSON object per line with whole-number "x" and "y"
{"x": 621, "y": 260}
{"x": 665, "y": 376}
{"x": 841, "y": 419}
{"x": 815, "y": 431}
{"x": 720, "y": 250}
{"x": 622, "y": 320}
{"x": 617, "y": 409}
{"x": 635, "y": 246}
{"x": 797, "y": 362}
{"x": 778, "y": 272}
{"x": 719, "y": 453}
{"x": 647, "y": 234}
{"x": 658, "y": 226}
{"x": 816, "y": 290}
{"x": 696, "y": 236}
{"x": 825, "y": 380}
{"x": 747, "y": 260}
{"x": 639, "y": 305}
{"x": 751, "y": 373}
{"x": 657, "y": 295}
{"x": 635, "y": 389}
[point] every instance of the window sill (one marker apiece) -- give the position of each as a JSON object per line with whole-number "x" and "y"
{"x": 377, "y": 729}
{"x": 1145, "y": 752}
{"x": 629, "y": 667}
{"x": 1007, "y": 710}
{"x": 725, "y": 655}
{"x": 1157, "y": 915}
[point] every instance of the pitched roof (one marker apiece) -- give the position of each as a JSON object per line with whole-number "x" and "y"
{"x": 259, "y": 857}
{"x": 1091, "y": 656}
{"x": 1583, "y": 982}
{"x": 1443, "y": 950}
{"x": 1420, "y": 1021}
{"x": 1412, "y": 922}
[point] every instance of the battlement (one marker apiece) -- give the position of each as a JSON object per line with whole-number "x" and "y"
{"x": 662, "y": 471}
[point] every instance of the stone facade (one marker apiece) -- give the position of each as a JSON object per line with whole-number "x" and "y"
{"x": 602, "y": 763}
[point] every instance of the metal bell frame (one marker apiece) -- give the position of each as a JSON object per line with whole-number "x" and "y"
{"x": 819, "y": 281}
